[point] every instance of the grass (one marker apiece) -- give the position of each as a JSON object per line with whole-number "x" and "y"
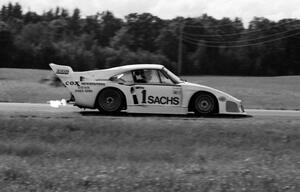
{"x": 136, "y": 153}
{"x": 29, "y": 85}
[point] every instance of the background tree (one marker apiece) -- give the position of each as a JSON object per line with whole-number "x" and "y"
{"x": 7, "y": 49}
{"x": 210, "y": 46}
{"x": 109, "y": 25}
{"x": 142, "y": 29}
{"x": 74, "y": 22}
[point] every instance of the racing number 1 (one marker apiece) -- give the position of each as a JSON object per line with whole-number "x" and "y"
{"x": 135, "y": 99}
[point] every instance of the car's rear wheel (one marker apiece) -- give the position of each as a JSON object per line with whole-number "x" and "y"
{"x": 205, "y": 104}
{"x": 110, "y": 101}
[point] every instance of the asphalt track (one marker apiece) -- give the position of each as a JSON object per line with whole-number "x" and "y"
{"x": 70, "y": 110}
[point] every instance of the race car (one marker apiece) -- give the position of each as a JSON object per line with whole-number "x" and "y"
{"x": 144, "y": 88}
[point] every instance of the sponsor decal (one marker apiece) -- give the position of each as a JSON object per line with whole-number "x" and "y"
{"x": 162, "y": 100}
{"x": 84, "y": 87}
{"x": 83, "y": 91}
{"x": 72, "y": 83}
{"x": 80, "y": 89}
{"x": 91, "y": 83}
{"x": 62, "y": 71}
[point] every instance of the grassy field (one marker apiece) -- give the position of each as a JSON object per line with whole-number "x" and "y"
{"x": 27, "y": 85}
{"x": 89, "y": 152}
{"x": 136, "y": 153}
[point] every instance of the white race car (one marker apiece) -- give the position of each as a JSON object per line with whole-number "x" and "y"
{"x": 144, "y": 88}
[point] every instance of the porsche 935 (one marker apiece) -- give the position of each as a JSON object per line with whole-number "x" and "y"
{"x": 144, "y": 88}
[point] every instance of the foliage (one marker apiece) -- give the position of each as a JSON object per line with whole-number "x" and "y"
{"x": 6, "y": 45}
{"x": 209, "y": 46}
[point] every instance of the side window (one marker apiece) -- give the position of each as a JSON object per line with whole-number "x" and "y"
{"x": 123, "y": 78}
{"x": 146, "y": 76}
{"x": 164, "y": 78}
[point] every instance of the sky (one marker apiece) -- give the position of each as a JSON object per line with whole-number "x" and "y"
{"x": 168, "y": 9}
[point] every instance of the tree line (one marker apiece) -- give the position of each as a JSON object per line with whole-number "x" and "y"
{"x": 208, "y": 46}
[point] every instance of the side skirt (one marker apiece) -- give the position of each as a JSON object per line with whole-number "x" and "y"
{"x": 156, "y": 109}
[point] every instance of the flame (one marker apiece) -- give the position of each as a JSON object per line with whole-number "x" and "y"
{"x": 57, "y": 103}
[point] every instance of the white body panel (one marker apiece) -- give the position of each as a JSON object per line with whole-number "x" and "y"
{"x": 140, "y": 97}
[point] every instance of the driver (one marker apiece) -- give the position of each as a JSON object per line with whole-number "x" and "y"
{"x": 147, "y": 75}
{"x": 143, "y": 76}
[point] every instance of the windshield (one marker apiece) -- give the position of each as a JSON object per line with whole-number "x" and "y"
{"x": 174, "y": 77}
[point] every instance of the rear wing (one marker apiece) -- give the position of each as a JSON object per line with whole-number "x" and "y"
{"x": 61, "y": 70}
{"x": 66, "y": 75}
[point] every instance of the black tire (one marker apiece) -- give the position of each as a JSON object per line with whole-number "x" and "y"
{"x": 110, "y": 101}
{"x": 205, "y": 104}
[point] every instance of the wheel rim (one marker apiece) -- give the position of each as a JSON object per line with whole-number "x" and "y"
{"x": 204, "y": 104}
{"x": 110, "y": 101}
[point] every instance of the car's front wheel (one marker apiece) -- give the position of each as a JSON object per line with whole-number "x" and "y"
{"x": 110, "y": 101}
{"x": 205, "y": 104}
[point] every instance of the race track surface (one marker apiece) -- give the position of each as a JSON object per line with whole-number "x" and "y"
{"x": 72, "y": 111}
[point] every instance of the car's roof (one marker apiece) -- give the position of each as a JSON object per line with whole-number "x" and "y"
{"x": 137, "y": 66}
{"x": 107, "y": 73}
